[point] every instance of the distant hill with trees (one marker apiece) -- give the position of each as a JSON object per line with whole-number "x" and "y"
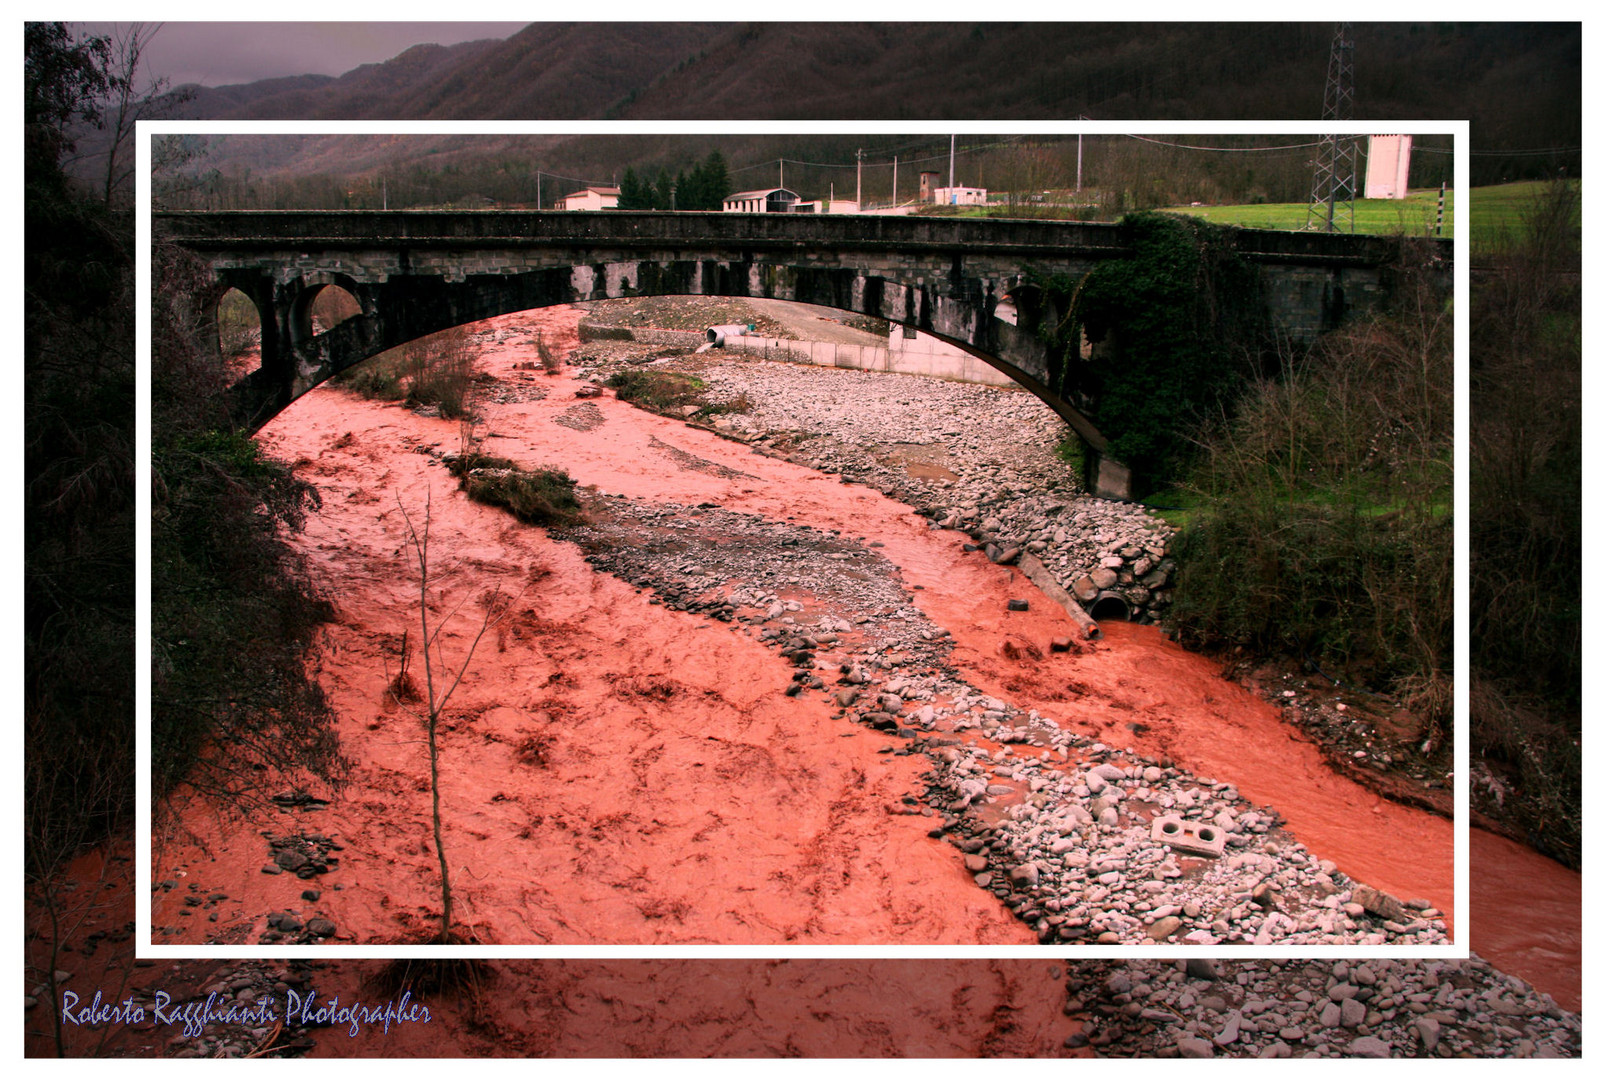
{"x": 1520, "y": 84}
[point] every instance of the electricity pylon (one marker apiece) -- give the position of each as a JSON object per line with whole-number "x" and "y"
{"x": 1332, "y": 190}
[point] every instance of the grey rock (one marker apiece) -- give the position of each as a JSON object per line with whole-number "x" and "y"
{"x": 290, "y": 859}
{"x": 1164, "y": 928}
{"x": 1369, "y": 1046}
{"x": 1230, "y": 1030}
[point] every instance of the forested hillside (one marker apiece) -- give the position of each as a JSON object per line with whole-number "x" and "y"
{"x": 1519, "y": 84}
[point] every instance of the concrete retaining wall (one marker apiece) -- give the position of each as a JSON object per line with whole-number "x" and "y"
{"x": 961, "y": 368}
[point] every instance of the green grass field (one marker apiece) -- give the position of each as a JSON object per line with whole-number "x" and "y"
{"x": 1496, "y": 212}
{"x": 1415, "y": 215}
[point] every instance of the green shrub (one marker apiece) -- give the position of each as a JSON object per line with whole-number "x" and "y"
{"x": 1363, "y": 594}
{"x": 233, "y": 708}
{"x": 1527, "y": 527}
{"x": 1322, "y": 523}
{"x": 657, "y": 391}
{"x": 539, "y": 497}
{"x": 1175, "y": 321}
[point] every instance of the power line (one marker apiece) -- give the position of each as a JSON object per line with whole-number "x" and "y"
{"x": 574, "y": 179}
{"x": 1227, "y": 149}
{"x": 1499, "y": 153}
{"x": 772, "y": 162}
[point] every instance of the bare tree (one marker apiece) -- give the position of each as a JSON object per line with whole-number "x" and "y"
{"x": 495, "y": 608}
{"x": 127, "y": 103}
{"x": 54, "y": 836}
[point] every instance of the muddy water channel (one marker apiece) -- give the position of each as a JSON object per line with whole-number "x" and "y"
{"x": 750, "y": 702}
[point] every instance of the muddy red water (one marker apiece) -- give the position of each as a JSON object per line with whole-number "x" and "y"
{"x": 1137, "y": 688}
{"x": 1527, "y": 916}
{"x": 618, "y": 772}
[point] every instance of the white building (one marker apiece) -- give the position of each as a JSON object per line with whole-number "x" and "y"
{"x": 1388, "y": 166}
{"x": 959, "y": 196}
{"x": 765, "y": 201}
{"x": 826, "y": 206}
{"x": 591, "y": 198}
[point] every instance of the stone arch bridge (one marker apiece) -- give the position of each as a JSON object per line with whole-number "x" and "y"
{"x": 415, "y": 272}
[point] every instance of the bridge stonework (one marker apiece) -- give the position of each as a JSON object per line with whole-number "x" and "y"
{"x": 414, "y": 273}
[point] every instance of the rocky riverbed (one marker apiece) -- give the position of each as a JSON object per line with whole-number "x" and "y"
{"x": 1070, "y": 833}
{"x": 1376, "y": 1008}
{"x": 981, "y": 459}
{"x": 1070, "y": 841}
{"x": 1059, "y": 815}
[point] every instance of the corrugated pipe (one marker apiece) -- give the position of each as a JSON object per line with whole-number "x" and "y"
{"x": 718, "y": 334}
{"x": 1110, "y": 605}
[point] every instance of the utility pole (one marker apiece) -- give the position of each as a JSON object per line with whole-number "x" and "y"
{"x": 858, "y": 182}
{"x": 1079, "y": 155}
{"x": 1332, "y": 190}
{"x": 951, "y": 140}
{"x": 384, "y": 194}
{"x": 538, "y": 189}
{"x": 894, "y": 179}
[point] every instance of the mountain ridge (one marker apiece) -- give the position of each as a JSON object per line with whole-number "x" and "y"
{"x": 1519, "y": 83}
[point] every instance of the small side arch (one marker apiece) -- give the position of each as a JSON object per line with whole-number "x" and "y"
{"x": 239, "y": 325}
{"x": 321, "y": 306}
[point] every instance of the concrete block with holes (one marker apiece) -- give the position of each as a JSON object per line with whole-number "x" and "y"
{"x": 1193, "y": 837}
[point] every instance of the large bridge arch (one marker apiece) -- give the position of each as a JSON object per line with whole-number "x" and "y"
{"x": 415, "y": 273}
{"x": 393, "y": 315}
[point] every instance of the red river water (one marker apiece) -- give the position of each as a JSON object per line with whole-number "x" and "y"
{"x": 678, "y": 795}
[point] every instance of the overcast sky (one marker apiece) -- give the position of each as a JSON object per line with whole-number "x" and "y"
{"x": 220, "y": 53}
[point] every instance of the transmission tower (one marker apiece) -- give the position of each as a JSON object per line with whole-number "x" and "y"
{"x": 1332, "y": 190}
